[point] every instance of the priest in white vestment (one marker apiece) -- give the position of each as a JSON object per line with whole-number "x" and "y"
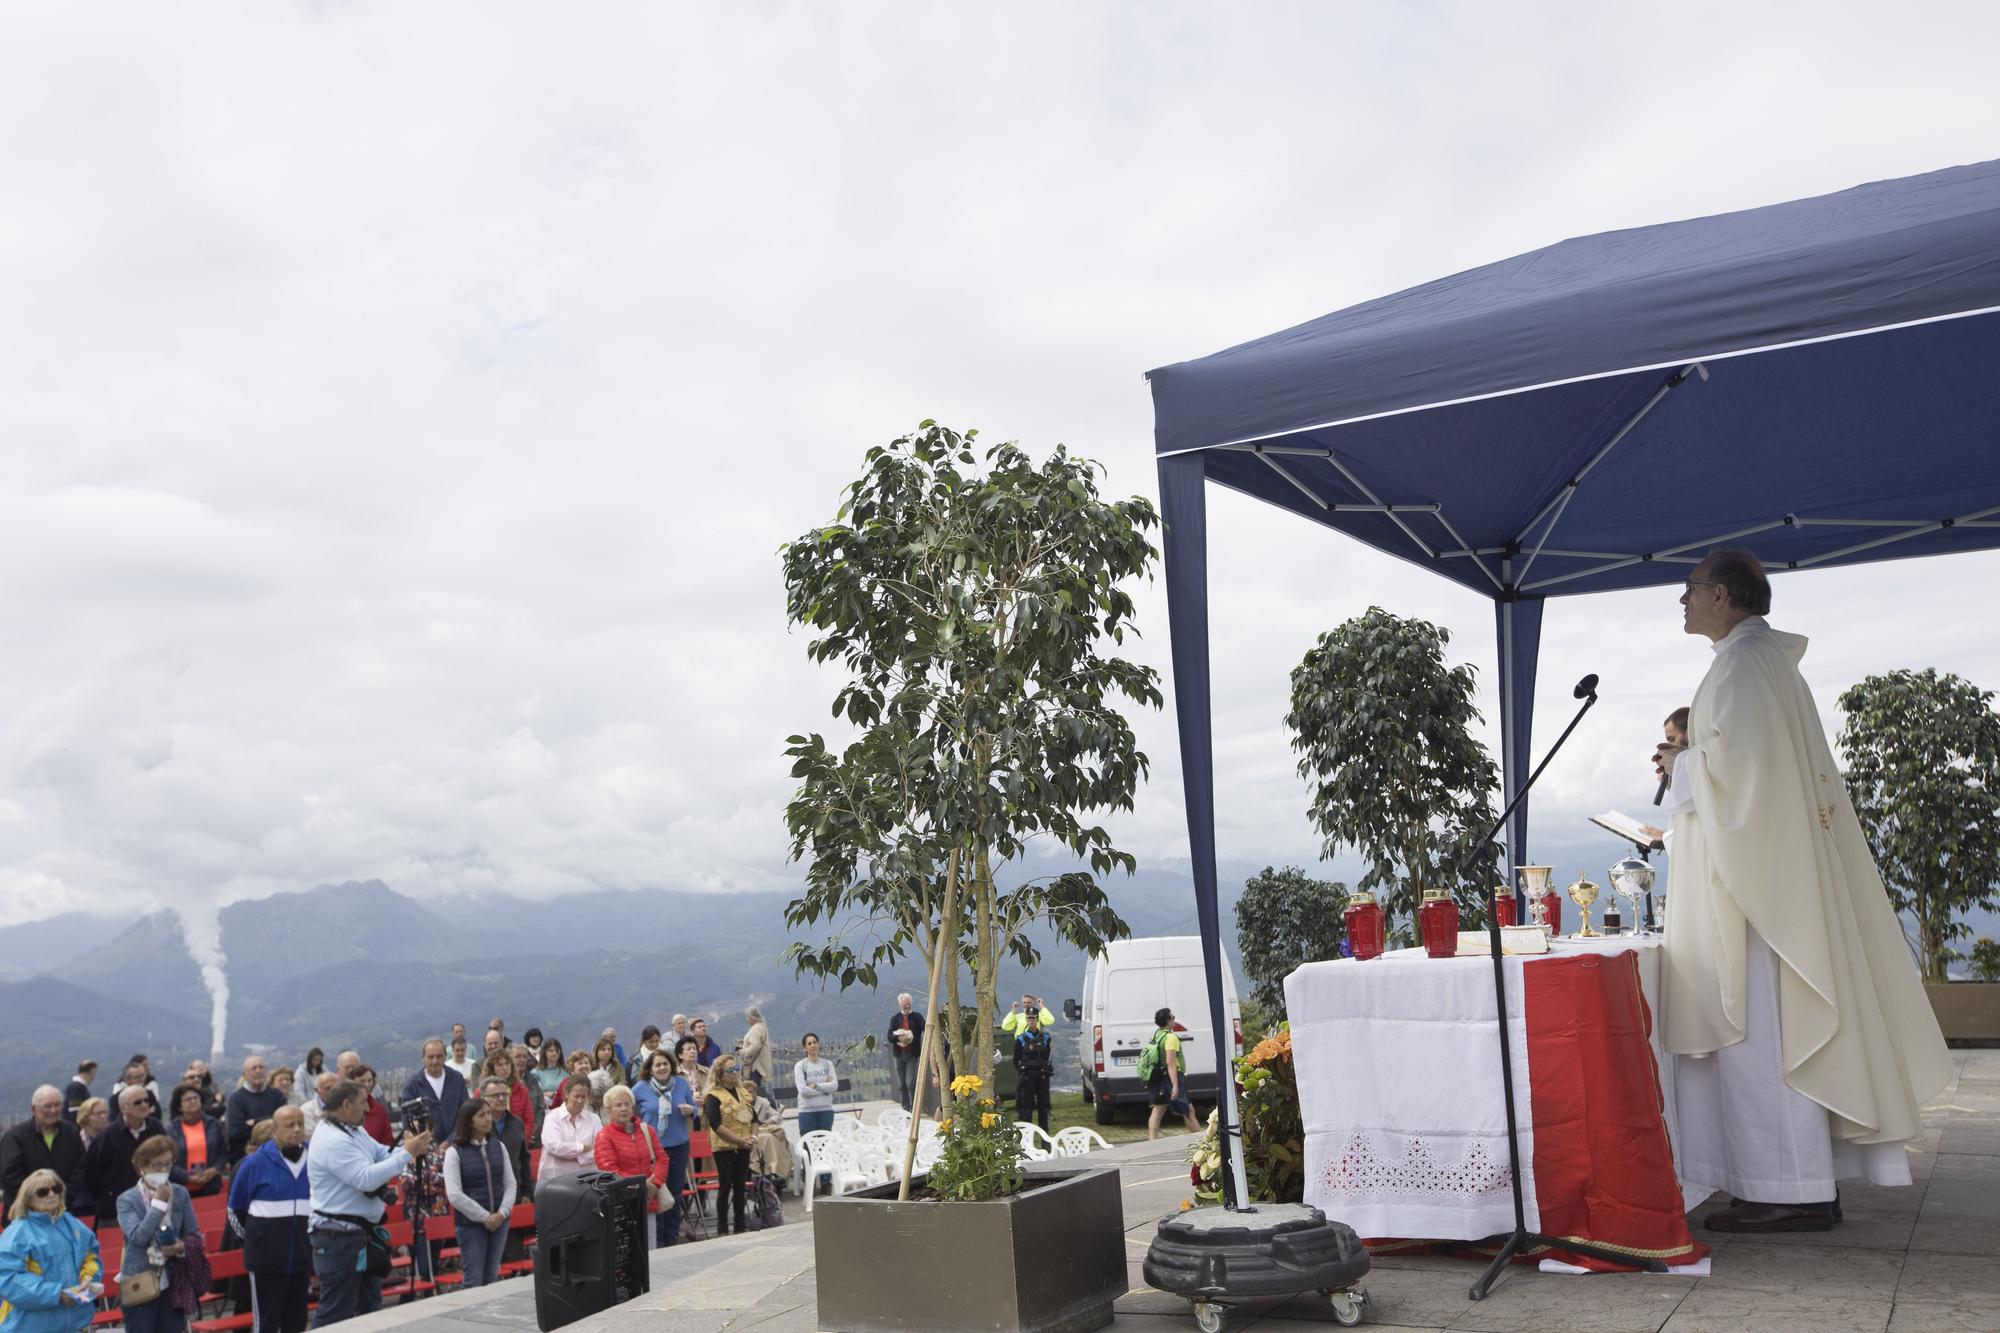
{"x": 1806, "y": 1042}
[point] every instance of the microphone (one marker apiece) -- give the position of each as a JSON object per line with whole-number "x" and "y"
{"x": 1661, "y": 794}
{"x": 1586, "y": 688}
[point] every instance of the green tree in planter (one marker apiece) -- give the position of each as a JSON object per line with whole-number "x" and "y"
{"x": 1985, "y": 960}
{"x": 1283, "y": 919}
{"x": 1384, "y": 732}
{"x": 1923, "y": 770}
{"x": 970, "y": 599}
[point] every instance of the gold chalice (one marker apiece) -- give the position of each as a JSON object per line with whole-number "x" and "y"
{"x": 1583, "y": 893}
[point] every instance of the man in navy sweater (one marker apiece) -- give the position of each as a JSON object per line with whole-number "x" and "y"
{"x": 438, "y": 1086}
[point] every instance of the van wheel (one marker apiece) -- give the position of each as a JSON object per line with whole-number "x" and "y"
{"x": 1107, "y": 1113}
{"x": 1088, "y": 1100}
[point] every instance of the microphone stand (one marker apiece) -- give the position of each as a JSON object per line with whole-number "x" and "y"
{"x": 1522, "y": 1238}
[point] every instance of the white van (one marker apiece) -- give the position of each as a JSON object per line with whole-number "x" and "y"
{"x": 1123, "y": 988}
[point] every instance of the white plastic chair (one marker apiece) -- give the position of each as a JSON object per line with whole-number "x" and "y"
{"x": 895, "y": 1122}
{"x": 835, "y": 1159}
{"x": 928, "y": 1151}
{"x": 844, "y": 1125}
{"x": 1075, "y": 1141}
{"x": 1033, "y": 1141}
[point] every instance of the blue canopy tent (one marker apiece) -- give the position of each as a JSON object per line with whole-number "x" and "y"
{"x": 1818, "y": 381}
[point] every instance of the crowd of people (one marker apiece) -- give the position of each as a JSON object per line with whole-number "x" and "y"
{"x": 308, "y": 1156}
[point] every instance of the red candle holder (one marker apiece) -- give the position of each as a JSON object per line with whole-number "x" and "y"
{"x": 1365, "y": 926}
{"x": 1503, "y": 905}
{"x": 1437, "y": 922}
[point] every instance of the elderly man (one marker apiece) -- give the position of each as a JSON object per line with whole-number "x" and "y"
{"x": 107, "y": 1165}
{"x": 314, "y": 1107}
{"x": 271, "y": 1199}
{"x": 906, "y": 1043}
{"x": 348, "y": 1065}
{"x": 438, "y": 1087}
{"x": 507, "y": 1128}
{"x": 44, "y": 1141}
{"x": 346, "y": 1169}
{"x": 255, "y": 1101}
{"x": 1785, "y": 972}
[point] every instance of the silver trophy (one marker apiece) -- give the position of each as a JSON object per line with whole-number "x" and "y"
{"x": 1632, "y": 880}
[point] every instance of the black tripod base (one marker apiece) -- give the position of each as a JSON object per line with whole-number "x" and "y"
{"x": 1522, "y": 1240}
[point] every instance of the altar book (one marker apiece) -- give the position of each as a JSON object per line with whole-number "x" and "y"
{"x": 1629, "y": 829}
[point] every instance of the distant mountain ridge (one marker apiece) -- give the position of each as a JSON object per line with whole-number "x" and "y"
{"x": 359, "y": 964}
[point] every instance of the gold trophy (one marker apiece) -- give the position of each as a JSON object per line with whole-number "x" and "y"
{"x": 1583, "y": 893}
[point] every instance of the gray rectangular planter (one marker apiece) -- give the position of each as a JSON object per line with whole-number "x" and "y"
{"x": 1049, "y": 1260}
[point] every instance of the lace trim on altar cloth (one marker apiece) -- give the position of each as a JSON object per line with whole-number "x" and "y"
{"x": 1401, "y": 1167}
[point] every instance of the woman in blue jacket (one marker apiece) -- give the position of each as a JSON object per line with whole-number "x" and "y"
{"x": 157, "y": 1217}
{"x": 665, "y": 1101}
{"x": 49, "y": 1263}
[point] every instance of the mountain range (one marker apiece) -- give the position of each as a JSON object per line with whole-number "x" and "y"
{"x": 358, "y": 964}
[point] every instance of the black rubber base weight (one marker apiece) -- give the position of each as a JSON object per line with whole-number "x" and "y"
{"x": 1270, "y": 1250}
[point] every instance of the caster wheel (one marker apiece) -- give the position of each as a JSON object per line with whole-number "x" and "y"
{"x": 1347, "y": 1306}
{"x": 1208, "y": 1318}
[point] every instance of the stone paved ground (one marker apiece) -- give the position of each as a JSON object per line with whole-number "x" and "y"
{"x": 1919, "y": 1260}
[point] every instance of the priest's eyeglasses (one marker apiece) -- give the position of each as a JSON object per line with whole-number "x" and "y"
{"x": 1692, "y": 584}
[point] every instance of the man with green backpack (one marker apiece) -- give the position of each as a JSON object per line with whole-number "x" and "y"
{"x": 1161, "y": 1065}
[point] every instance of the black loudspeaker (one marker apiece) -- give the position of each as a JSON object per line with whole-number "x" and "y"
{"x": 590, "y": 1245}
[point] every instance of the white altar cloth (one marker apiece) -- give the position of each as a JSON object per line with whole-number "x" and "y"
{"x": 1399, "y": 1089}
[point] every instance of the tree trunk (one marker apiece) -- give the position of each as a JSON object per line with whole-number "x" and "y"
{"x": 952, "y": 1054}
{"x": 986, "y": 982}
{"x": 930, "y": 1033}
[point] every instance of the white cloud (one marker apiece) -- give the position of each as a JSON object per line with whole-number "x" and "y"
{"x": 401, "y": 405}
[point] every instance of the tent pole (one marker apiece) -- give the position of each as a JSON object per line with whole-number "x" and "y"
{"x": 1184, "y": 522}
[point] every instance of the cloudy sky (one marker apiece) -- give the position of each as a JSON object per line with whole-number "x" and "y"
{"x": 401, "y": 404}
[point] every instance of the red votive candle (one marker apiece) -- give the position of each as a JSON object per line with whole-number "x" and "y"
{"x": 1503, "y": 906}
{"x": 1365, "y": 929}
{"x": 1437, "y": 922}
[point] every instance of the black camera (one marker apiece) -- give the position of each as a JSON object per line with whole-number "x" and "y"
{"x": 416, "y": 1116}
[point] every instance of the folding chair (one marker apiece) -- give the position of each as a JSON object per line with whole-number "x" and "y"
{"x": 701, "y": 1185}
{"x": 222, "y": 1265}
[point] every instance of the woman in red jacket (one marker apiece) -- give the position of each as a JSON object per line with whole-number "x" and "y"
{"x": 626, "y": 1147}
{"x": 376, "y": 1123}
{"x": 520, "y": 1102}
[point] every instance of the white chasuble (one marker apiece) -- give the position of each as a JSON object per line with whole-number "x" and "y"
{"x": 1772, "y": 846}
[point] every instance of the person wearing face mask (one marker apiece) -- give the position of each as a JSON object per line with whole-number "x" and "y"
{"x": 49, "y": 1262}
{"x": 270, "y": 1202}
{"x": 161, "y": 1234}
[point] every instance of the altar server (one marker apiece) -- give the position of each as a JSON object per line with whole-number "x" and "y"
{"x": 1786, "y": 973}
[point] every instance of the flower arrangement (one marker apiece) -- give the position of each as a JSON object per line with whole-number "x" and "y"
{"x": 1267, "y": 1099}
{"x": 982, "y": 1150}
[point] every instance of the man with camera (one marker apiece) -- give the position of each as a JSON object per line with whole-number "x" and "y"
{"x": 350, "y": 1173}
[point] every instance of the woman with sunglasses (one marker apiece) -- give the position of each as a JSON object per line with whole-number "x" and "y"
{"x": 49, "y": 1265}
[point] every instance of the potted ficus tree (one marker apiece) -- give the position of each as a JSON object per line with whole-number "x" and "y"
{"x": 1383, "y": 729}
{"x": 971, "y": 597}
{"x": 1922, "y": 752}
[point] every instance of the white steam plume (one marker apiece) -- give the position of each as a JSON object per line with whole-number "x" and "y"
{"x": 201, "y": 926}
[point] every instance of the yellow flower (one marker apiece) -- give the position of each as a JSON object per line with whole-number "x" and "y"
{"x": 965, "y": 1085}
{"x": 1186, "y": 1204}
{"x": 988, "y": 1121}
{"x": 986, "y": 1101}
{"x": 944, "y": 1125}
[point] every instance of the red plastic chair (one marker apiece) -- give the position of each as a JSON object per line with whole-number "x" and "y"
{"x": 222, "y": 1265}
